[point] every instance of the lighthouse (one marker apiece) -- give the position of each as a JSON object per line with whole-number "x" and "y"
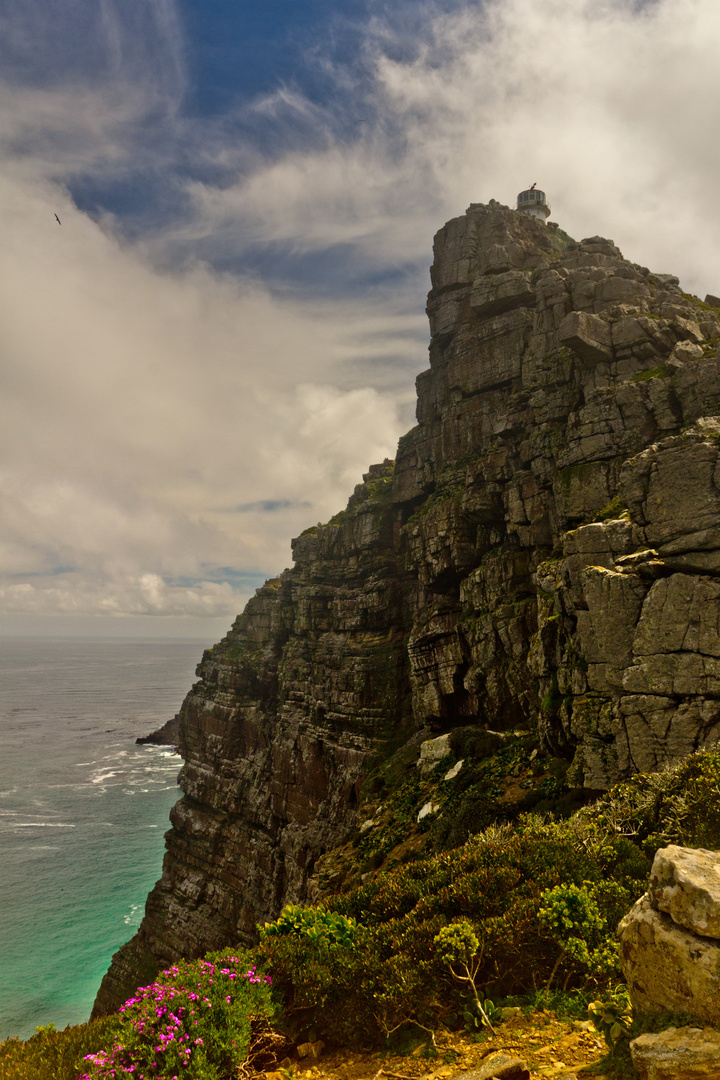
{"x": 533, "y": 202}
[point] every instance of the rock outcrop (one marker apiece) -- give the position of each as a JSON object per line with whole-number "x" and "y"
{"x": 670, "y": 940}
{"x": 545, "y": 553}
{"x": 685, "y": 1053}
{"x": 166, "y": 735}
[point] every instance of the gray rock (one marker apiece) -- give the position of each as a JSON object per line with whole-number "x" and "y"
{"x": 587, "y": 335}
{"x": 432, "y": 751}
{"x": 499, "y": 1065}
{"x": 685, "y": 884}
{"x": 685, "y": 1053}
{"x": 667, "y": 968}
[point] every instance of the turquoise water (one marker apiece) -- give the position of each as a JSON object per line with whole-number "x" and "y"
{"x": 83, "y": 811}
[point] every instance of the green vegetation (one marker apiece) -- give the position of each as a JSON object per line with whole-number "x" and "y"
{"x": 498, "y": 883}
{"x": 522, "y": 911}
{"x": 57, "y": 1054}
{"x": 315, "y": 924}
{"x": 660, "y": 372}
{"x": 678, "y": 805}
{"x": 541, "y": 897}
{"x": 700, "y": 303}
{"x": 612, "y": 510}
{"x": 571, "y": 916}
{"x": 196, "y": 1019}
{"x": 458, "y": 946}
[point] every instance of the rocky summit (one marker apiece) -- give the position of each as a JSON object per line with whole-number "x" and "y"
{"x": 543, "y": 554}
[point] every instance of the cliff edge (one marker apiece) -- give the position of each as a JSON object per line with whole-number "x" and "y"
{"x": 544, "y": 552}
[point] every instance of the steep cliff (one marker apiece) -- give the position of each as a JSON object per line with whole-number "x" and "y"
{"x": 544, "y": 553}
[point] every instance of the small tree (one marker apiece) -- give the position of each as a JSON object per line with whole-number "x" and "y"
{"x": 571, "y": 917}
{"x": 458, "y": 946}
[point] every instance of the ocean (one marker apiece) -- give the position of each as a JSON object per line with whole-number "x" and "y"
{"x": 83, "y": 811}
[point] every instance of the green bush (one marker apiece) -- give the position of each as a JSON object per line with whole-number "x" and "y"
{"x": 458, "y": 946}
{"x": 680, "y": 804}
{"x": 391, "y": 973}
{"x": 317, "y": 924}
{"x": 54, "y": 1054}
{"x": 571, "y": 916}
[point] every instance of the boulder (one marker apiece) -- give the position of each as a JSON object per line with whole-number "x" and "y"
{"x": 685, "y": 1053}
{"x": 588, "y": 336}
{"x": 499, "y": 1066}
{"x": 668, "y": 968}
{"x": 432, "y": 751}
{"x": 685, "y": 884}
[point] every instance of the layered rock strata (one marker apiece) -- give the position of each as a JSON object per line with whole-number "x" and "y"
{"x": 545, "y": 553}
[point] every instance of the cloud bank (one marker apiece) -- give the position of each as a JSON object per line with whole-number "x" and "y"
{"x": 223, "y": 333}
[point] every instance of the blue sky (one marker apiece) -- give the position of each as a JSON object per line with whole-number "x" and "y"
{"x": 224, "y": 331}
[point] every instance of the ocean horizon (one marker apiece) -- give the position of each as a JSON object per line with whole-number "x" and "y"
{"x": 83, "y": 811}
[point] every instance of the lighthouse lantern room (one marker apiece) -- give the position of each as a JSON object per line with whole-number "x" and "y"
{"x": 532, "y": 201}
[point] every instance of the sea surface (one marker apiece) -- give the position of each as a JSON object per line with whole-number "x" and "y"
{"x": 83, "y": 811}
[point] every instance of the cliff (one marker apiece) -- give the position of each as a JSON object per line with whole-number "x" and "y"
{"x": 544, "y": 553}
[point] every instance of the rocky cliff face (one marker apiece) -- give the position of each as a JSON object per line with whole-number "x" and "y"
{"x": 545, "y": 552}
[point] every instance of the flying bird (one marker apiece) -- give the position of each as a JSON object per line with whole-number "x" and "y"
{"x": 58, "y": 220}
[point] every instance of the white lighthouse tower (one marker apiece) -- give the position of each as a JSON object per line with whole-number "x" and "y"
{"x": 533, "y": 202}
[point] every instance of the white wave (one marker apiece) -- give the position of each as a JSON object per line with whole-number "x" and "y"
{"x": 103, "y": 776}
{"x": 132, "y": 919}
{"x": 42, "y": 825}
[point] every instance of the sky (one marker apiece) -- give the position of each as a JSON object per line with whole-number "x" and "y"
{"x": 223, "y": 330}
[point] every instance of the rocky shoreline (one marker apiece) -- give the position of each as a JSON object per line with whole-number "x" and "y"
{"x": 167, "y": 735}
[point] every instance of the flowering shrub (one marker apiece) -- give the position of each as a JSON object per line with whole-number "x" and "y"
{"x": 192, "y": 1022}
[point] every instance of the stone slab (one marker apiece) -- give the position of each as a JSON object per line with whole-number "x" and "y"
{"x": 685, "y": 1053}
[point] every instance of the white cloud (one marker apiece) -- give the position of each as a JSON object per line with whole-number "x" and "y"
{"x": 147, "y": 594}
{"x": 611, "y": 107}
{"x": 148, "y": 395}
{"x": 140, "y": 406}
{"x": 608, "y": 106}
